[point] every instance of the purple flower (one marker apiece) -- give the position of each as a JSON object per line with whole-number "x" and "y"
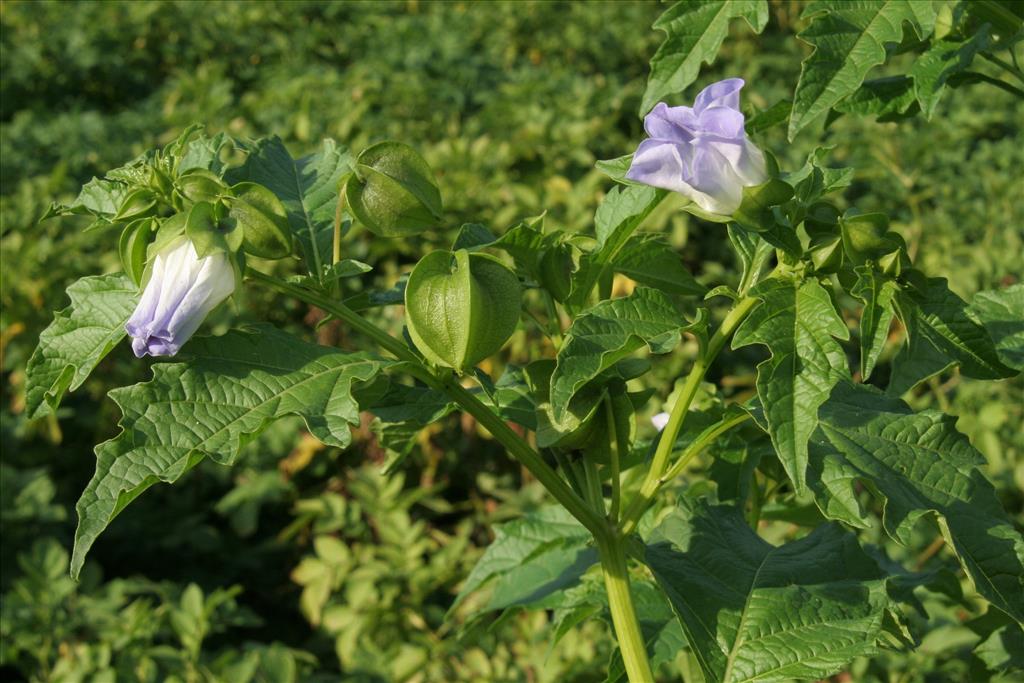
{"x": 701, "y": 152}
{"x": 181, "y": 292}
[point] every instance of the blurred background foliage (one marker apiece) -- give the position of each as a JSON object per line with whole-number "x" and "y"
{"x": 305, "y": 563}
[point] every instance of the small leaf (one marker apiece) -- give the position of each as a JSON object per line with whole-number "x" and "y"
{"x": 943, "y": 59}
{"x": 800, "y": 325}
{"x": 617, "y": 168}
{"x": 849, "y": 40}
{"x": 756, "y": 612}
{"x": 773, "y": 116}
{"x": 878, "y": 294}
{"x": 889, "y": 99}
{"x": 531, "y": 558}
{"x": 919, "y": 465}
{"x": 203, "y": 153}
{"x": 77, "y": 340}
{"x": 1001, "y": 313}
{"x": 694, "y": 33}
{"x": 607, "y": 333}
{"x": 228, "y": 391}
{"x": 753, "y": 252}
{"x": 814, "y": 180}
{"x": 621, "y": 212}
{"x": 649, "y": 260}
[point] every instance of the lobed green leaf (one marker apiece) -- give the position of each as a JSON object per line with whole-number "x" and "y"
{"x": 798, "y": 322}
{"x": 694, "y": 32}
{"x": 227, "y": 392}
{"x": 919, "y": 465}
{"x": 849, "y": 39}
{"x": 78, "y": 339}
{"x": 607, "y": 333}
{"x": 757, "y": 612}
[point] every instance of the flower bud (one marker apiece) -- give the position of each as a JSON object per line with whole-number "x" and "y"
{"x": 181, "y": 292}
{"x": 701, "y": 152}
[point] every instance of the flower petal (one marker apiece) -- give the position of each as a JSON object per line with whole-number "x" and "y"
{"x": 715, "y": 178}
{"x": 675, "y": 124}
{"x": 214, "y": 283}
{"x": 181, "y": 292}
{"x": 721, "y": 94}
{"x": 722, "y": 122}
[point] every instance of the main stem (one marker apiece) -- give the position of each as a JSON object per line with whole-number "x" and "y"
{"x": 620, "y": 603}
{"x": 609, "y": 543}
{"x": 653, "y": 480}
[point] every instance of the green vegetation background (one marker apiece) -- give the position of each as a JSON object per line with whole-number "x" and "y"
{"x": 304, "y": 562}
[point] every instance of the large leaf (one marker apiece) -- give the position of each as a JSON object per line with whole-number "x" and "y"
{"x": 77, "y": 339}
{"x": 798, "y": 323}
{"x": 1001, "y": 313}
{"x": 531, "y": 558}
{"x": 849, "y": 38}
{"x": 609, "y": 332}
{"x": 308, "y": 188}
{"x": 756, "y": 612}
{"x": 694, "y": 32}
{"x": 920, "y": 465}
{"x": 228, "y": 391}
{"x": 940, "y": 317}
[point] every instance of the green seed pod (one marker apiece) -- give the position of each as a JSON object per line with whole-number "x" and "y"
{"x": 461, "y": 308}
{"x": 138, "y": 204}
{"x": 393, "y": 192}
{"x": 200, "y": 185}
{"x": 210, "y": 232}
{"x": 263, "y": 219}
{"x": 827, "y": 255}
{"x": 555, "y": 270}
{"x": 132, "y": 247}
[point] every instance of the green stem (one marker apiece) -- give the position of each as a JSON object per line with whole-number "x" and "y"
{"x": 1006, "y": 66}
{"x": 554, "y": 320}
{"x": 619, "y": 442}
{"x": 512, "y": 442}
{"x": 974, "y": 76}
{"x": 593, "y": 479}
{"x": 653, "y": 480}
{"x": 338, "y": 215}
{"x": 700, "y": 443}
{"x": 620, "y": 602}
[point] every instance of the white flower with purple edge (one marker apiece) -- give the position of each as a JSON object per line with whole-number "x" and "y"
{"x": 181, "y": 292}
{"x": 701, "y": 152}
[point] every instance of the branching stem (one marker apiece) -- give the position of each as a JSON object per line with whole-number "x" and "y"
{"x": 659, "y": 464}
